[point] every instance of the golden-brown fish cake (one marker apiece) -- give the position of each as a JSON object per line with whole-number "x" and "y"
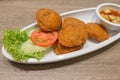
{"x": 97, "y": 32}
{"x": 48, "y": 20}
{"x": 60, "y": 49}
{"x": 69, "y": 21}
{"x": 73, "y": 36}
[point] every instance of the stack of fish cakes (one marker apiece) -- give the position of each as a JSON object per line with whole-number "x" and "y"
{"x": 72, "y": 36}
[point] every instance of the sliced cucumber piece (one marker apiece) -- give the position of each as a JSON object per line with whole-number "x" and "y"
{"x": 29, "y": 47}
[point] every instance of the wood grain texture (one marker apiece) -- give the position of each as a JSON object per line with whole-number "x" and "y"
{"x": 103, "y": 64}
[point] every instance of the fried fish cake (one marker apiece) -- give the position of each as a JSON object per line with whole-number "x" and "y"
{"x": 60, "y": 49}
{"x": 69, "y": 21}
{"x": 48, "y": 20}
{"x": 97, "y": 32}
{"x": 72, "y": 36}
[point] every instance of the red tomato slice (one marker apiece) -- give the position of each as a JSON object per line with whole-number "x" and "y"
{"x": 44, "y": 39}
{"x": 116, "y": 13}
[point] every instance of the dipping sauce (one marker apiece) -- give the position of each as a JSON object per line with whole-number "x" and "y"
{"x": 111, "y": 15}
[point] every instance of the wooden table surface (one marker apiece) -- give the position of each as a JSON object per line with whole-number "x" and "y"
{"x": 103, "y": 64}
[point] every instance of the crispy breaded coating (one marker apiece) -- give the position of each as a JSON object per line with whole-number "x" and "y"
{"x": 97, "y": 32}
{"x": 69, "y": 21}
{"x": 73, "y": 36}
{"x": 60, "y": 49}
{"x": 48, "y": 20}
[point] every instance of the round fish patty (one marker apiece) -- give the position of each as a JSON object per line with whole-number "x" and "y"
{"x": 97, "y": 32}
{"x": 69, "y": 21}
{"x": 48, "y": 20}
{"x": 60, "y": 49}
{"x": 73, "y": 36}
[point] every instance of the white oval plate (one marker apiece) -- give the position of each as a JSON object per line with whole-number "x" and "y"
{"x": 87, "y": 15}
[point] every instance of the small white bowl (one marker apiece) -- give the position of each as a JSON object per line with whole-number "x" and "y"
{"x": 104, "y": 22}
